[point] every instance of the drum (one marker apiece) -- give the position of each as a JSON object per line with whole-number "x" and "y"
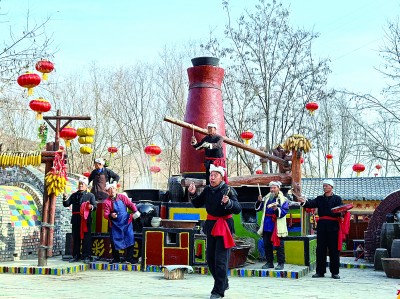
{"x": 342, "y": 208}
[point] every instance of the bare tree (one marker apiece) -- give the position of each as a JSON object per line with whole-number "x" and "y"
{"x": 274, "y": 73}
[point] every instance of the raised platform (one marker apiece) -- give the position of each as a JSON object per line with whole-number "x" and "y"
{"x": 56, "y": 266}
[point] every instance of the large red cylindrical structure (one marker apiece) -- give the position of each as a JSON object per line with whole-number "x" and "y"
{"x": 204, "y": 105}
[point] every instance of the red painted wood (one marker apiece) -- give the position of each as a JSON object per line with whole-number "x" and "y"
{"x": 204, "y": 105}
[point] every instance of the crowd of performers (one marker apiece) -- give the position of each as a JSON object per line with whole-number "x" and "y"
{"x": 220, "y": 202}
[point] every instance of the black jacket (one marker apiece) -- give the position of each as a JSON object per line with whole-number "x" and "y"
{"x": 76, "y": 200}
{"x": 111, "y": 176}
{"x": 324, "y": 205}
{"x": 211, "y": 199}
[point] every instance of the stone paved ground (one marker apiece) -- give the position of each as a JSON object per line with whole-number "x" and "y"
{"x": 355, "y": 284}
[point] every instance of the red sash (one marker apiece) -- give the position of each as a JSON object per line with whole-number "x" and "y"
{"x": 85, "y": 211}
{"x": 274, "y": 237}
{"x": 221, "y": 229}
{"x": 344, "y": 226}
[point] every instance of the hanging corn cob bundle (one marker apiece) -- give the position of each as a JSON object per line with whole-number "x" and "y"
{"x": 21, "y": 159}
{"x": 56, "y": 178}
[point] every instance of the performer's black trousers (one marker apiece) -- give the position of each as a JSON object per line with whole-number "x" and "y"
{"x": 217, "y": 260}
{"x": 269, "y": 249}
{"x": 86, "y": 242}
{"x": 207, "y": 166}
{"x": 129, "y": 251}
{"x": 328, "y": 240}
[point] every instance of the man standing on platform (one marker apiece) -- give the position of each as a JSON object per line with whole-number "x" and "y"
{"x": 100, "y": 176}
{"x": 212, "y": 143}
{"x": 120, "y": 223}
{"x": 273, "y": 224}
{"x": 83, "y": 203}
{"x": 328, "y": 229}
{"x": 220, "y": 202}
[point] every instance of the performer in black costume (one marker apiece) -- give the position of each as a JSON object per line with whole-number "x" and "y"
{"x": 83, "y": 203}
{"x": 220, "y": 202}
{"x": 328, "y": 229}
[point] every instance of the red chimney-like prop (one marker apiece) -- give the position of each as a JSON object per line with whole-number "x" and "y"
{"x": 204, "y": 105}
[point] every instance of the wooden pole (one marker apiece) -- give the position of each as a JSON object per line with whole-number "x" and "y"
{"x": 49, "y": 201}
{"x": 43, "y": 245}
{"x": 227, "y": 141}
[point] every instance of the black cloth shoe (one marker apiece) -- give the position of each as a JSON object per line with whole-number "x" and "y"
{"x": 74, "y": 260}
{"x": 279, "y": 267}
{"x": 335, "y": 276}
{"x": 268, "y": 266}
{"x": 214, "y": 296}
{"x": 318, "y": 275}
{"x": 131, "y": 261}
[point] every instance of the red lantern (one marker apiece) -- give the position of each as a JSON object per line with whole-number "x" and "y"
{"x": 45, "y": 67}
{"x": 247, "y": 136}
{"x": 311, "y": 107}
{"x": 301, "y": 160}
{"x": 40, "y": 105}
{"x": 329, "y": 157}
{"x": 68, "y": 134}
{"x": 112, "y": 150}
{"x": 155, "y": 169}
{"x": 29, "y": 80}
{"x": 152, "y": 150}
{"x": 86, "y": 174}
{"x": 358, "y": 168}
{"x": 259, "y": 171}
{"x": 378, "y": 167}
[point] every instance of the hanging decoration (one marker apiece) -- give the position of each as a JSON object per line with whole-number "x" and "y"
{"x": 86, "y": 174}
{"x": 259, "y": 171}
{"x": 152, "y": 150}
{"x": 85, "y": 150}
{"x": 112, "y": 150}
{"x": 68, "y": 133}
{"x": 329, "y": 157}
{"x": 312, "y": 107}
{"x": 29, "y": 80}
{"x": 45, "y": 67}
{"x": 378, "y": 167}
{"x": 358, "y": 167}
{"x": 302, "y": 160}
{"x": 56, "y": 178}
{"x": 82, "y": 132}
{"x": 85, "y": 140}
{"x": 42, "y": 134}
{"x": 40, "y": 106}
{"x": 247, "y": 136}
{"x": 297, "y": 142}
{"x": 155, "y": 169}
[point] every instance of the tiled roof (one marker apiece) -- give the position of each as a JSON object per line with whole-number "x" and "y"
{"x": 364, "y": 188}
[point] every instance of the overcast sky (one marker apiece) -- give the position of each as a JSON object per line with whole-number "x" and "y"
{"x": 127, "y": 31}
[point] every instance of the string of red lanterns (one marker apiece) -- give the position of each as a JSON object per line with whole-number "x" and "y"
{"x": 112, "y": 150}
{"x": 155, "y": 169}
{"x": 329, "y": 157}
{"x": 312, "y": 107}
{"x": 247, "y": 136}
{"x": 152, "y": 150}
{"x": 29, "y": 80}
{"x": 68, "y": 133}
{"x": 259, "y": 171}
{"x": 40, "y": 106}
{"x": 44, "y": 67}
{"x": 358, "y": 167}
